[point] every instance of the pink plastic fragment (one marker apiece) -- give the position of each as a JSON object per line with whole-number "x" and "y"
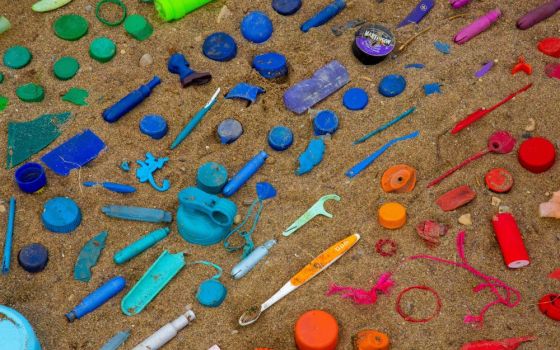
{"x": 362, "y": 296}
{"x": 430, "y": 231}
{"x": 484, "y": 70}
{"x": 552, "y": 70}
{"x": 456, "y": 198}
{"x": 551, "y": 209}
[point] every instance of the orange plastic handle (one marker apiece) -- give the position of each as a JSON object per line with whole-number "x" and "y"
{"x": 325, "y": 259}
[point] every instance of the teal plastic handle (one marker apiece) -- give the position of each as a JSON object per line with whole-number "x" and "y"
{"x": 136, "y": 248}
{"x": 212, "y": 209}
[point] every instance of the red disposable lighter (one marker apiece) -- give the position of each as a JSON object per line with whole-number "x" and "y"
{"x": 510, "y": 241}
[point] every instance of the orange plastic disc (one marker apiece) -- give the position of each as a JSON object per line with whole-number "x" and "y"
{"x": 369, "y": 339}
{"x": 392, "y": 215}
{"x": 316, "y": 330}
{"x": 399, "y": 178}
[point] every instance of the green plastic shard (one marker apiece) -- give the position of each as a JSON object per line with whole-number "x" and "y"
{"x": 76, "y": 96}
{"x": 4, "y": 24}
{"x": 3, "y": 103}
{"x": 28, "y": 138}
{"x": 89, "y": 256}
{"x": 48, "y": 5}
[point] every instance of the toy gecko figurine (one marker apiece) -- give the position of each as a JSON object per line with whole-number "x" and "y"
{"x": 477, "y": 27}
{"x": 538, "y": 14}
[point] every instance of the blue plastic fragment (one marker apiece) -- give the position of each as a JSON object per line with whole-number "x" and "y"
{"x": 219, "y": 47}
{"x": 211, "y": 177}
{"x": 111, "y": 186}
{"x": 325, "y": 123}
{"x": 415, "y": 65}
{"x": 418, "y": 13}
{"x": 125, "y": 166}
{"x": 33, "y": 257}
{"x": 443, "y": 47}
{"x": 61, "y": 215}
{"x": 280, "y": 138}
{"x": 137, "y": 213}
{"x": 286, "y": 7}
{"x": 178, "y": 64}
{"x": 355, "y": 99}
{"x": 229, "y": 131}
{"x": 154, "y": 126}
{"x": 311, "y": 157}
{"x": 116, "y": 341}
{"x": 9, "y": 239}
{"x": 245, "y": 91}
{"x": 433, "y": 88}
{"x": 265, "y": 191}
{"x": 147, "y": 169}
{"x": 256, "y": 27}
{"x": 271, "y": 65}
{"x": 211, "y": 293}
{"x": 484, "y": 69}
{"x": 323, "y": 16}
{"x": 392, "y": 85}
{"x": 97, "y": 298}
{"x": 127, "y": 103}
{"x": 74, "y": 153}
{"x": 385, "y": 126}
{"x": 244, "y": 174}
{"x": 89, "y": 255}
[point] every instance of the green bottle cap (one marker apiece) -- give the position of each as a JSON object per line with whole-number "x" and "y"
{"x": 30, "y": 93}
{"x": 70, "y": 27}
{"x": 65, "y": 68}
{"x": 102, "y": 49}
{"x": 138, "y": 27}
{"x": 17, "y": 57}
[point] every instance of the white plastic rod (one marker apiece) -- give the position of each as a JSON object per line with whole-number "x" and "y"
{"x": 166, "y": 333}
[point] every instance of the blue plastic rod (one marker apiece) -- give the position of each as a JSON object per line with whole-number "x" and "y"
{"x": 9, "y": 237}
{"x": 384, "y": 126}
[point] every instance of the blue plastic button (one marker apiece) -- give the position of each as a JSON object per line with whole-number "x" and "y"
{"x": 211, "y": 177}
{"x": 280, "y": 138}
{"x": 256, "y": 27}
{"x": 16, "y": 332}
{"x": 355, "y": 99}
{"x": 271, "y": 65}
{"x": 392, "y": 85}
{"x": 286, "y": 7}
{"x": 325, "y": 122}
{"x": 219, "y": 47}
{"x": 61, "y": 215}
{"x": 211, "y": 293}
{"x": 33, "y": 257}
{"x": 30, "y": 177}
{"x": 154, "y": 126}
{"x": 229, "y": 130}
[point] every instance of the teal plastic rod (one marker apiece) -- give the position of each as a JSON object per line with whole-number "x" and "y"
{"x": 144, "y": 243}
{"x": 9, "y": 237}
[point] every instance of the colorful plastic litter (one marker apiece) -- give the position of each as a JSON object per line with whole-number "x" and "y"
{"x": 154, "y": 126}
{"x": 537, "y": 154}
{"x": 431, "y": 231}
{"x": 246, "y": 92}
{"x": 477, "y": 27}
{"x": 97, "y": 298}
{"x": 280, "y": 138}
{"x": 271, "y": 65}
{"x": 33, "y": 257}
{"x": 120, "y": 7}
{"x": 76, "y": 96}
{"x": 9, "y": 238}
{"x": 442, "y": 47}
{"x": 3, "y": 103}
{"x": 111, "y": 186}
{"x": 229, "y": 131}
{"x": 325, "y": 123}
{"x": 116, "y": 341}
{"x": 137, "y": 213}
{"x": 456, "y": 198}
{"x": 433, "y": 88}
{"x": 324, "y": 15}
{"x": 522, "y": 66}
{"x": 244, "y": 174}
{"x": 415, "y": 65}
{"x": 211, "y": 177}
{"x": 4, "y": 24}
{"x": 503, "y": 344}
{"x": 49, "y": 5}
{"x": 70, "y": 27}
{"x": 219, "y": 47}
{"x": 127, "y": 103}
{"x": 102, "y": 49}
{"x": 499, "y": 180}
{"x": 538, "y": 14}
{"x": 399, "y": 178}
{"x": 311, "y": 157}
{"x": 484, "y": 70}
{"x": 550, "y": 46}
{"x": 138, "y": 27}
{"x": 552, "y": 70}
{"x": 256, "y": 27}
{"x": 145, "y": 173}
{"x": 385, "y": 126}
{"x": 66, "y": 67}
{"x": 418, "y": 13}
{"x": 355, "y": 99}
{"x": 139, "y": 246}
{"x": 17, "y": 57}
{"x": 316, "y": 209}
{"x": 88, "y": 257}
{"x": 392, "y": 85}
{"x": 392, "y": 215}
{"x": 30, "y": 93}
{"x": 30, "y": 177}
{"x": 286, "y": 7}
{"x": 178, "y": 64}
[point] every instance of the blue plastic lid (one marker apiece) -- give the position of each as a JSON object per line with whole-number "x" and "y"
{"x": 211, "y": 177}
{"x": 280, "y": 138}
{"x": 355, "y": 99}
{"x": 229, "y": 130}
{"x": 286, "y": 7}
{"x": 211, "y": 293}
{"x": 30, "y": 177}
{"x": 271, "y": 65}
{"x": 33, "y": 257}
{"x": 16, "y": 332}
{"x": 325, "y": 122}
{"x": 256, "y": 27}
{"x": 61, "y": 215}
{"x": 154, "y": 126}
{"x": 392, "y": 85}
{"x": 220, "y": 47}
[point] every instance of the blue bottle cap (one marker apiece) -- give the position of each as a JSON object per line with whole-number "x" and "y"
{"x": 229, "y": 130}
{"x": 16, "y": 332}
{"x": 30, "y": 177}
{"x": 220, "y": 47}
{"x": 280, "y": 138}
{"x": 211, "y": 293}
{"x": 355, "y": 99}
{"x": 325, "y": 122}
{"x": 33, "y": 257}
{"x": 154, "y": 126}
{"x": 211, "y": 177}
{"x": 286, "y": 7}
{"x": 392, "y": 85}
{"x": 256, "y": 27}
{"x": 271, "y": 65}
{"x": 61, "y": 215}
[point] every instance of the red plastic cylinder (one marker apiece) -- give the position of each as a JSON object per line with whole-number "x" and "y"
{"x": 510, "y": 241}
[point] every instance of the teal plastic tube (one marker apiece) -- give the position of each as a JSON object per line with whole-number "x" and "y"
{"x": 134, "y": 249}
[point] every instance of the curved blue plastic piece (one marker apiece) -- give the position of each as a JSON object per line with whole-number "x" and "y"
{"x": 97, "y": 298}
{"x": 265, "y": 191}
{"x": 245, "y": 91}
{"x": 256, "y": 27}
{"x": 244, "y": 174}
{"x": 323, "y": 16}
{"x": 133, "y": 99}
{"x": 88, "y": 257}
{"x": 311, "y": 157}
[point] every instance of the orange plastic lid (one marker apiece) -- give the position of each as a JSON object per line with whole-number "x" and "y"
{"x": 368, "y": 339}
{"x": 399, "y": 178}
{"x": 316, "y": 330}
{"x": 392, "y": 215}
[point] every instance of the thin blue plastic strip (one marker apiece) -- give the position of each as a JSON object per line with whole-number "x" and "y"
{"x": 384, "y": 126}
{"x": 248, "y": 246}
{"x": 208, "y": 263}
{"x": 9, "y": 237}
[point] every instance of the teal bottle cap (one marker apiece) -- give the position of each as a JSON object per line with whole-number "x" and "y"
{"x": 16, "y": 332}
{"x": 17, "y": 57}
{"x": 61, "y": 215}
{"x": 211, "y": 293}
{"x": 30, "y": 93}
{"x": 138, "y": 27}
{"x": 211, "y": 177}
{"x": 65, "y": 68}
{"x": 70, "y": 27}
{"x": 102, "y": 49}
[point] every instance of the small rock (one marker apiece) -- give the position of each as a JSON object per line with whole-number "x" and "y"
{"x": 224, "y": 13}
{"x": 531, "y": 125}
{"x": 2, "y": 209}
{"x": 146, "y": 60}
{"x": 183, "y": 169}
{"x": 271, "y": 160}
{"x": 496, "y": 201}
{"x": 503, "y": 209}
{"x": 88, "y": 8}
{"x": 123, "y": 52}
{"x": 465, "y": 219}
{"x": 237, "y": 219}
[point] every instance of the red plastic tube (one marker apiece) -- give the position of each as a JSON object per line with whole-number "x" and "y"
{"x": 510, "y": 241}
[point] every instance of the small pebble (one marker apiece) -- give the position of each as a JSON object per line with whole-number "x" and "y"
{"x": 271, "y": 160}
{"x": 88, "y": 8}
{"x": 496, "y": 201}
{"x": 237, "y": 219}
{"x": 2, "y": 209}
{"x": 531, "y": 125}
{"x": 224, "y": 13}
{"x": 146, "y": 60}
{"x": 123, "y": 52}
{"x": 503, "y": 209}
{"x": 465, "y": 219}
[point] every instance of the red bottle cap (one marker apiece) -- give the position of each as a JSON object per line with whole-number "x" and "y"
{"x": 550, "y": 47}
{"x": 316, "y": 330}
{"x": 550, "y": 306}
{"x": 499, "y": 180}
{"x": 536, "y": 154}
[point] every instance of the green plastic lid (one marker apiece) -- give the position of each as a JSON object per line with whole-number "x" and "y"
{"x": 30, "y": 93}
{"x": 17, "y": 57}
{"x": 65, "y": 68}
{"x": 70, "y": 27}
{"x": 102, "y": 49}
{"x": 138, "y": 27}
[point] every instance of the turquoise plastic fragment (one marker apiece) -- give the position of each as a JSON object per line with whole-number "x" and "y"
{"x": 442, "y": 47}
{"x": 148, "y": 168}
{"x": 76, "y": 96}
{"x": 311, "y": 157}
{"x": 89, "y": 256}
{"x": 137, "y": 213}
{"x": 144, "y": 243}
{"x": 433, "y": 88}
{"x": 152, "y": 282}
{"x": 4, "y": 24}
{"x": 125, "y": 166}
{"x": 115, "y": 342}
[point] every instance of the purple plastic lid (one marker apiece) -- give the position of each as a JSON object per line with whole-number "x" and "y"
{"x": 375, "y": 40}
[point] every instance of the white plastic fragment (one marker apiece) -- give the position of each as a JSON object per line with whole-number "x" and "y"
{"x": 163, "y": 335}
{"x": 49, "y": 5}
{"x": 551, "y": 209}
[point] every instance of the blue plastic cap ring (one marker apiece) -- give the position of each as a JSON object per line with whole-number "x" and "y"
{"x": 280, "y": 138}
{"x": 355, "y": 99}
{"x": 61, "y": 215}
{"x": 325, "y": 122}
{"x": 256, "y": 27}
{"x": 271, "y": 65}
{"x": 392, "y": 85}
{"x": 154, "y": 126}
{"x": 286, "y": 7}
{"x": 211, "y": 293}
{"x": 220, "y": 47}
{"x": 229, "y": 131}
{"x": 30, "y": 177}
{"x": 211, "y": 177}
{"x": 33, "y": 257}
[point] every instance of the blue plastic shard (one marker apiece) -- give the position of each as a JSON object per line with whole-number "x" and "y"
{"x": 433, "y": 88}
{"x": 111, "y": 186}
{"x": 265, "y": 191}
{"x": 418, "y": 13}
{"x": 148, "y": 167}
{"x": 89, "y": 255}
{"x": 415, "y": 65}
{"x": 246, "y": 92}
{"x": 125, "y": 166}
{"x": 442, "y": 47}
{"x": 137, "y": 213}
{"x": 115, "y": 342}
{"x": 74, "y": 153}
{"x": 311, "y": 157}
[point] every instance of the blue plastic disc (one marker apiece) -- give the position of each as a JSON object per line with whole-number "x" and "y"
{"x": 229, "y": 130}
{"x": 211, "y": 293}
{"x": 211, "y": 177}
{"x": 61, "y": 215}
{"x": 271, "y": 65}
{"x": 286, "y": 7}
{"x": 30, "y": 177}
{"x": 355, "y": 99}
{"x": 219, "y": 47}
{"x": 154, "y": 126}
{"x": 256, "y": 27}
{"x": 280, "y": 138}
{"x": 325, "y": 122}
{"x": 392, "y": 85}
{"x": 33, "y": 257}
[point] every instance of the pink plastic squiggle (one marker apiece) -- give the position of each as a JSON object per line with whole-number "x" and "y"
{"x": 362, "y": 296}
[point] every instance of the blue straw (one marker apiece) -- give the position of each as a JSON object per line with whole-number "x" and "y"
{"x": 9, "y": 237}
{"x": 384, "y": 126}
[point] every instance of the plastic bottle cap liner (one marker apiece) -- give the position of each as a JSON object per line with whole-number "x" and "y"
{"x": 499, "y": 180}
{"x": 211, "y": 293}
{"x": 355, "y": 99}
{"x": 154, "y": 126}
{"x": 30, "y": 93}
{"x": 16, "y": 332}
{"x": 70, "y": 27}
{"x": 61, "y": 215}
{"x": 229, "y": 131}
{"x": 392, "y": 85}
{"x": 30, "y": 177}
{"x": 271, "y": 65}
{"x": 102, "y": 49}
{"x": 17, "y": 57}
{"x": 220, "y": 47}
{"x": 33, "y": 257}
{"x": 256, "y": 27}
{"x": 280, "y": 138}
{"x": 392, "y": 215}
{"x": 138, "y": 27}
{"x": 325, "y": 122}
{"x": 537, "y": 154}
{"x": 211, "y": 177}
{"x": 65, "y": 68}
{"x": 316, "y": 330}
{"x": 286, "y": 7}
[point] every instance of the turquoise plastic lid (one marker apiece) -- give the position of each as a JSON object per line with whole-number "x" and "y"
{"x": 211, "y": 177}
{"x": 61, "y": 215}
{"x": 211, "y": 293}
{"x": 16, "y": 332}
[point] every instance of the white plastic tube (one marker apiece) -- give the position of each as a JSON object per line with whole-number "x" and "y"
{"x": 163, "y": 335}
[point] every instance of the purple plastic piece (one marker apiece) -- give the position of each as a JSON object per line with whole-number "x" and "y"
{"x": 416, "y": 15}
{"x": 538, "y": 14}
{"x": 477, "y": 27}
{"x": 324, "y": 82}
{"x": 485, "y": 69}
{"x": 459, "y": 3}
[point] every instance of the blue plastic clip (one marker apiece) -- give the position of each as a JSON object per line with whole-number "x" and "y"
{"x": 147, "y": 169}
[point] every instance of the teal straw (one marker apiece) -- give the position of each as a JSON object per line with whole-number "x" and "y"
{"x": 384, "y": 126}
{"x": 9, "y": 237}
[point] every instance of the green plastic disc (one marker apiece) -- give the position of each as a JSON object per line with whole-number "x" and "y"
{"x": 70, "y": 27}
{"x": 17, "y": 57}
{"x": 102, "y": 49}
{"x": 30, "y": 93}
{"x": 138, "y": 27}
{"x": 65, "y": 68}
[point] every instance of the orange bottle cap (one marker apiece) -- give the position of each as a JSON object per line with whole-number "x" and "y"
{"x": 399, "y": 178}
{"x": 392, "y": 215}
{"x": 316, "y": 330}
{"x": 369, "y": 339}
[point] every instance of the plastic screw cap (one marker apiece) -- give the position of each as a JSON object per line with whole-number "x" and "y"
{"x": 355, "y": 99}
{"x": 154, "y": 126}
{"x": 280, "y": 138}
{"x": 65, "y": 68}
{"x": 70, "y": 27}
{"x": 17, "y": 57}
{"x": 256, "y": 27}
{"x": 229, "y": 131}
{"x": 271, "y": 65}
{"x": 286, "y": 7}
{"x": 369, "y": 339}
{"x": 392, "y": 215}
{"x": 325, "y": 122}
{"x": 211, "y": 177}
{"x": 33, "y": 257}
{"x": 138, "y": 27}
{"x": 61, "y": 215}
{"x": 211, "y": 293}
{"x": 219, "y": 47}
{"x": 392, "y": 85}
{"x": 537, "y": 154}
{"x": 30, "y": 93}
{"x": 499, "y": 180}
{"x": 316, "y": 330}
{"x": 30, "y": 177}
{"x": 102, "y": 49}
